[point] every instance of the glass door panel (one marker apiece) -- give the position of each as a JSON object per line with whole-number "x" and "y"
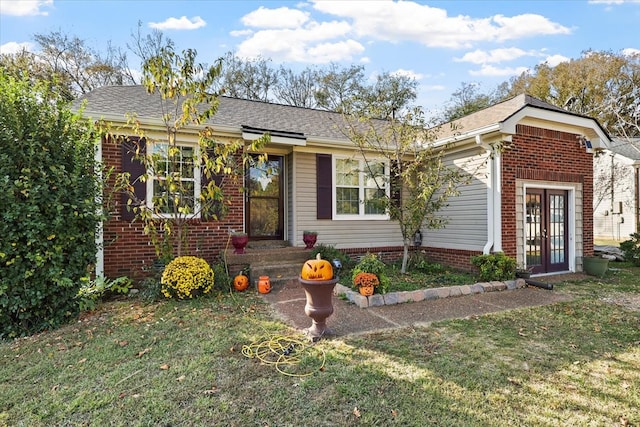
{"x": 264, "y": 199}
{"x": 533, "y": 230}
{"x": 546, "y": 230}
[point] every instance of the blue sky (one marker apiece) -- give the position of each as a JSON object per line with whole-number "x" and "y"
{"x": 440, "y": 43}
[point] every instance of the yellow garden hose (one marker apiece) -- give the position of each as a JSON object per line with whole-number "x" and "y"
{"x": 286, "y": 354}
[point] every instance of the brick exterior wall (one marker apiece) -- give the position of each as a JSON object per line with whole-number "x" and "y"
{"x": 535, "y": 154}
{"x": 128, "y": 251}
{"x": 538, "y": 154}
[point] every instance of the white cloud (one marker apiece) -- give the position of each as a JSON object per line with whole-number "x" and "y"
{"x": 241, "y": 33}
{"x": 292, "y": 34}
{"x": 310, "y": 43}
{"x": 526, "y": 25}
{"x": 407, "y": 73}
{"x": 554, "y": 60}
{"x": 332, "y": 52}
{"x": 491, "y": 71}
{"x": 630, "y": 51}
{"x": 24, "y": 7}
{"x": 282, "y": 17}
{"x": 15, "y": 47}
{"x": 182, "y": 23}
{"x": 494, "y": 56}
{"x": 431, "y": 26}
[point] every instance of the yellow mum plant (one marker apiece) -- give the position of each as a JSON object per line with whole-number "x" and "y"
{"x": 186, "y": 277}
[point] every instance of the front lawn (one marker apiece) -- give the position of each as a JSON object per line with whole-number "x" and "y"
{"x": 181, "y": 364}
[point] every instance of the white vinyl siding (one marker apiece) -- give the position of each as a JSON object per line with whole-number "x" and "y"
{"x": 362, "y": 233}
{"x": 466, "y": 214}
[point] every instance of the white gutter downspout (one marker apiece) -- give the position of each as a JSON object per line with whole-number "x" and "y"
{"x": 494, "y": 199}
{"x": 497, "y": 201}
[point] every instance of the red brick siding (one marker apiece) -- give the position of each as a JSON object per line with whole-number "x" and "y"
{"x": 128, "y": 251}
{"x": 545, "y": 155}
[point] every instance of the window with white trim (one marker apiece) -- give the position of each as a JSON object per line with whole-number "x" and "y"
{"x": 359, "y": 188}
{"x": 174, "y": 181}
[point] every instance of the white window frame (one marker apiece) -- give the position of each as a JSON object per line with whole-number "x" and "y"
{"x": 152, "y": 178}
{"x": 361, "y": 189}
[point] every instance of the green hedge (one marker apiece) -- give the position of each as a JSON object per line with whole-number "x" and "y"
{"x": 48, "y": 211}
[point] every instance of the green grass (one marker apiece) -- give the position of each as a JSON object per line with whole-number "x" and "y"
{"x": 180, "y": 364}
{"x": 421, "y": 280}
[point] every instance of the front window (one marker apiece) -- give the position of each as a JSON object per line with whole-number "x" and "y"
{"x": 173, "y": 179}
{"x": 361, "y": 188}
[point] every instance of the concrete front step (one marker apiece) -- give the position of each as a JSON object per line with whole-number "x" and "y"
{"x": 281, "y": 264}
{"x": 277, "y": 272}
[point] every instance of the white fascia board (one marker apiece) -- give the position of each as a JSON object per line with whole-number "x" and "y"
{"x": 156, "y": 128}
{"x": 562, "y": 121}
{"x": 313, "y": 144}
{"x": 462, "y": 136}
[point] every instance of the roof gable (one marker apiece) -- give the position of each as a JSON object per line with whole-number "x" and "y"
{"x": 505, "y": 115}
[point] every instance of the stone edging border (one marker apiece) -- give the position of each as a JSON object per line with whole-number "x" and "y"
{"x": 377, "y": 300}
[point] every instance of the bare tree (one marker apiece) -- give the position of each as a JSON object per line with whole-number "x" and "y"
{"x": 297, "y": 89}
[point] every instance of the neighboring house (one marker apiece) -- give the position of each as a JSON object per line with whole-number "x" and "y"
{"x": 532, "y": 200}
{"x": 617, "y": 190}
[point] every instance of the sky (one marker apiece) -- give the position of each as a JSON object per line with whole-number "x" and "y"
{"x": 439, "y": 43}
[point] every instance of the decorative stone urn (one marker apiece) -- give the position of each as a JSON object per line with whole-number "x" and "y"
{"x": 319, "y": 305}
{"x": 239, "y": 241}
{"x": 309, "y": 238}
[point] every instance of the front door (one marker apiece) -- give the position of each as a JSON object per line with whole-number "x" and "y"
{"x": 265, "y": 218}
{"x": 546, "y": 230}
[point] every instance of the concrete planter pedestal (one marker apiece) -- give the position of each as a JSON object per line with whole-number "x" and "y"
{"x": 319, "y": 305}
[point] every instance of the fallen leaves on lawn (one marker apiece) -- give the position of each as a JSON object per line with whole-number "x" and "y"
{"x": 164, "y": 367}
{"x": 356, "y": 412}
{"x": 180, "y": 378}
{"x": 143, "y": 352}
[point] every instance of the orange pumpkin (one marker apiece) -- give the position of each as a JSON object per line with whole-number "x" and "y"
{"x": 264, "y": 285}
{"x": 317, "y": 269}
{"x": 241, "y": 282}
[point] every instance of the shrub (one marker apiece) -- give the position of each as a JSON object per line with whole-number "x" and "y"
{"x": 222, "y": 280}
{"x": 330, "y": 253}
{"x": 187, "y": 277}
{"x": 371, "y": 264}
{"x": 631, "y": 249}
{"x": 94, "y": 290}
{"x": 48, "y": 209}
{"x": 495, "y": 266}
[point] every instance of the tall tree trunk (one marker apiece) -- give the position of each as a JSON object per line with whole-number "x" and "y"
{"x": 405, "y": 257}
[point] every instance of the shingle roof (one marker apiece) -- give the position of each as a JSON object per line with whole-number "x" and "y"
{"x": 629, "y": 148}
{"x": 498, "y": 113}
{"x": 117, "y": 101}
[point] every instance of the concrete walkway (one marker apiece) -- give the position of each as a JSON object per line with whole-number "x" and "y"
{"x": 288, "y": 302}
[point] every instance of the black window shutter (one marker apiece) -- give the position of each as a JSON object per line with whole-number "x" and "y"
{"x": 324, "y": 177}
{"x": 395, "y": 184}
{"x": 136, "y": 169}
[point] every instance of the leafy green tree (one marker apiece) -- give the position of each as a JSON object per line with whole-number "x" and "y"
{"x": 338, "y": 85}
{"x": 248, "y": 79}
{"x": 466, "y": 100}
{"x": 48, "y": 208}
{"x": 600, "y": 84}
{"x": 419, "y": 182}
{"x": 188, "y": 101}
